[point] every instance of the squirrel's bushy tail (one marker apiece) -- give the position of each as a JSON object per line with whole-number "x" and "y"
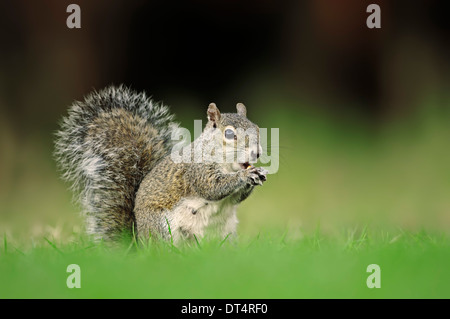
{"x": 105, "y": 147}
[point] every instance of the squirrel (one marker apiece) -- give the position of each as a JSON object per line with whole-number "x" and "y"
{"x": 115, "y": 148}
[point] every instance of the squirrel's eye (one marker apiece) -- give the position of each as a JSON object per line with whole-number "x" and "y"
{"x": 229, "y": 134}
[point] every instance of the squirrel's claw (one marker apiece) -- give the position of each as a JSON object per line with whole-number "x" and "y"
{"x": 262, "y": 173}
{"x": 257, "y": 175}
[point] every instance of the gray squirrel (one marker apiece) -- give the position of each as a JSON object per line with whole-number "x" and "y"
{"x": 115, "y": 148}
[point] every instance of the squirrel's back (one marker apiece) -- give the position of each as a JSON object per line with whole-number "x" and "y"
{"x": 106, "y": 145}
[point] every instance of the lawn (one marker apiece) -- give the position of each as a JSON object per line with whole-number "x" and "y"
{"x": 412, "y": 265}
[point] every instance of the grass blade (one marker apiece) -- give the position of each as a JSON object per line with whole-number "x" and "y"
{"x": 54, "y": 246}
{"x": 224, "y": 240}
{"x": 5, "y": 244}
{"x": 198, "y": 244}
{"x": 170, "y": 231}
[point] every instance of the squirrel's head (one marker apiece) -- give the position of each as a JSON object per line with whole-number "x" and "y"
{"x": 237, "y": 135}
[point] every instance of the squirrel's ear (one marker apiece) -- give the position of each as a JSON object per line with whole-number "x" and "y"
{"x": 241, "y": 110}
{"x": 213, "y": 113}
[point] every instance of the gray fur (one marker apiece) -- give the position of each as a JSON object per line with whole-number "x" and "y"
{"x": 106, "y": 189}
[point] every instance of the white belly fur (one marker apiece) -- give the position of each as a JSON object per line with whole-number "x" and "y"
{"x": 212, "y": 219}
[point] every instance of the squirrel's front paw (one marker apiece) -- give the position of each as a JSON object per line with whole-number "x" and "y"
{"x": 256, "y": 175}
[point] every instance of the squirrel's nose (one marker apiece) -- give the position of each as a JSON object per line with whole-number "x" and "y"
{"x": 254, "y": 155}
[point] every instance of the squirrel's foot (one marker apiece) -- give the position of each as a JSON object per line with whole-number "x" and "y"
{"x": 256, "y": 175}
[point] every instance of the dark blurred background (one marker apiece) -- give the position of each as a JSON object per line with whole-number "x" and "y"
{"x": 311, "y": 65}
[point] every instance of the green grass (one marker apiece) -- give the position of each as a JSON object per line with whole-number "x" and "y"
{"x": 413, "y": 265}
